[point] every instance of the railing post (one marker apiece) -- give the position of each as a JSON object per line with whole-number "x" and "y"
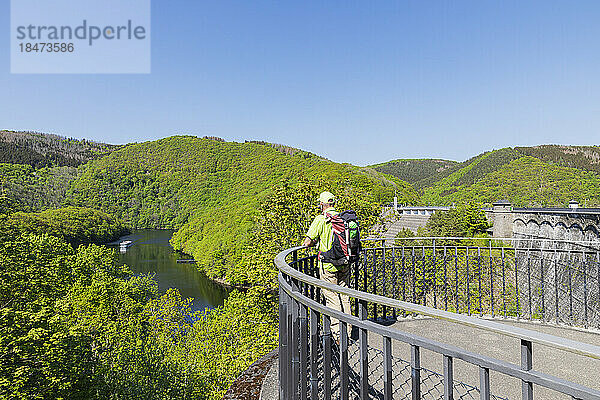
{"x": 479, "y": 275}
{"x": 374, "y": 278}
{"x": 526, "y": 365}
{"x": 283, "y": 343}
{"x": 355, "y": 265}
{"x": 484, "y": 383}
{"x": 423, "y": 274}
{"x": 394, "y": 280}
{"x": 448, "y": 378}
{"x": 569, "y": 269}
{"x": 404, "y": 279}
{"x": 529, "y": 284}
{"x": 303, "y": 351}
{"x": 314, "y": 354}
{"x": 317, "y": 274}
{"x": 445, "y": 281}
{"x": 289, "y": 383}
{"x": 383, "y": 279}
{"x": 295, "y": 344}
{"x": 468, "y": 283}
{"x": 327, "y": 356}
{"x": 598, "y": 278}
{"x": 387, "y": 368}
{"x": 456, "y": 278}
{"x": 364, "y": 271}
{"x": 415, "y": 364}
{"x": 556, "y": 307}
{"x": 313, "y": 292}
{"x": 414, "y": 276}
{"x": 364, "y": 353}
{"x": 542, "y": 291}
{"x": 344, "y": 381}
{"x": 517, "y": 285}
{"x": 304, "y": 286}
{"x": 491, "y": 279}
{"x": 503, "y": 282}
{"x": 434, "y": 276}
{"x": 585, "y": 292}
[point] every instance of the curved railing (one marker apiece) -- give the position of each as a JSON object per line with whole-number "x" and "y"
{"x": 534, "y": 279}
{"x": 444, "y": 281}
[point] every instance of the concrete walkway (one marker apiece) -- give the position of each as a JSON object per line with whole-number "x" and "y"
{"x": 562, "y": 364}
{"x": 568, "y": 366}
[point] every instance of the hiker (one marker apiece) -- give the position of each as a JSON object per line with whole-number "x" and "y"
{"x": 321, "y": 231}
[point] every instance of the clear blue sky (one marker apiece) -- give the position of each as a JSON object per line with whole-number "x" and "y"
{"x": 400, "y": 79}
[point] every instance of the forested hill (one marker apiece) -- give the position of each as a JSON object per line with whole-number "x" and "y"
{"x": 414, "y": 171}
{"x": 46, "y": 150}
{"x": 547, "y": 175}
{"x": 526, "y": 181}
{"x": 586, "y": 158}
{"x": 211, "y": 189}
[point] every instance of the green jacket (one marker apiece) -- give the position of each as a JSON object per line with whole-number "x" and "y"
{"x": 320, "y": 229}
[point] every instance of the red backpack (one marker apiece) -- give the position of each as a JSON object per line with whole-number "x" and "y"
{"x": 346, "y": 238}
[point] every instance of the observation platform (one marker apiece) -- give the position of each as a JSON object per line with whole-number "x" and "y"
{"x": 447, "y": 348}
{"x": 556, "y": 362}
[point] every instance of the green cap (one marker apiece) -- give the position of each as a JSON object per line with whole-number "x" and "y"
{"x": 327, "y": 197}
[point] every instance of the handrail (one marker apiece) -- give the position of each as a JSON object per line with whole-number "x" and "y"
{"x": 488, "y": 238}
{"x": 564, "y": 344}
{"x": 533, "y": 376}
{"x": 533, "y": 251}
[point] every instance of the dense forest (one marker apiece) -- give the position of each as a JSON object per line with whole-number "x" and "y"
{"x": 414, "y": 171}
{"x": 44, "y": 150}
{"x": 77, "y": 324}
{"x": 35, "y": 189}
{"x": 586, "y": 158}
{"x": 548, "y": 175}
{"x": 110, "y": 334}
{"x": 75, "y": 225}
{"x": 211, "y": 190}
{"x": 526, "y": 181}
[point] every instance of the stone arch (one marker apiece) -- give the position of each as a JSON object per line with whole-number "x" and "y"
{"x": 546, "y": 230}
{"x": 574, "y": 232}
{"x": 520, "y": 222}
{"x": 590, "y": 233}
{"x": 533, "y": 224}
{"x": 560, "y": 225}
{"x": 533, "y": 227}
{"x": 575, "y": 226}
{"x": 560, "y": 230}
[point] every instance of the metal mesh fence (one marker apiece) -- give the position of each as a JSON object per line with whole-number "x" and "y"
{"x": 550, "y": 285}
{"x": 431, "y": 382}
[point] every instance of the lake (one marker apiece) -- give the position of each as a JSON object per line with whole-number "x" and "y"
{"x": 152, "y": 253}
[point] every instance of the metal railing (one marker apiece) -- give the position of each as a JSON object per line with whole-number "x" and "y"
{"x": 533, "y": 279}
{"x": 445, "y": 281}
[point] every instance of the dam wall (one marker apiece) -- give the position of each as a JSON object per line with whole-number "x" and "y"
{"x": 572, "y": 223}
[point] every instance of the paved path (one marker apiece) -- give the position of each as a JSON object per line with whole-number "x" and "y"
{"x": 579, "y": 369}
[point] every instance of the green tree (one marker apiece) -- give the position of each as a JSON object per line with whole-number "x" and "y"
{"x": 464, "y": 220}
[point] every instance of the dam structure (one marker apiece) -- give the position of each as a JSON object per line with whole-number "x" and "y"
{"x": 444, "y": 318}
{"x": 573, "y": 223}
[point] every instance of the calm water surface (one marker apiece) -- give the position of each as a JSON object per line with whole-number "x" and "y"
{"x": 152, "y": 253}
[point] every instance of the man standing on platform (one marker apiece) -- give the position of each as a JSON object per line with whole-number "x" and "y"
{"x": 321, "y": 231}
